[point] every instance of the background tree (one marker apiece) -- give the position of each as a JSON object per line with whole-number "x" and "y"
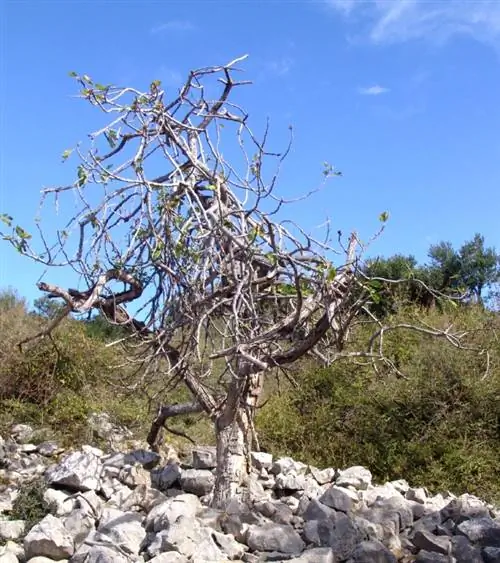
{"x": 223, "y": 288}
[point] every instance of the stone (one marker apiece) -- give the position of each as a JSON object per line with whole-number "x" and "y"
{"x": 103, "y": 428}
{"x": 482, "y": 531}
{"x": 204, "y": 458}
{"x": 287, "y": 465}
{"x": 166, "y": 477}
{"x": 356, "y": 476}
{"x": 290, "y": 481}
{"x": 372, "y": 551}
{"x": 229, "y": 546}
{"x": 429, "y": 542}
{"x": 79, "y": 524}
{"x": 169, "y": 557}
{"x": 9, "y": 557}
{"x": 21, "y": 433}
{"x": 433, "y": 557}
{"x": 339, "y": 498}
{"x": 134, "y": 475}
{"x": 11, "y": 529}
{"x": 463, "y": 508}
{"x": 417, "y": 495}
{"x": 49, "y": 538}
{"x": 464, "y": 552}
{"x": 491, "y": 554}
{"x": 124, "y": 529}
{"x": 168, "y": 512}
{"x": 49, "y": 449}
{"x": 339, "y": 533}
{"x": 315, "y": 555}
{"x": 274, "y": 537}
{"x": 190, "y": 539}
{"x": 97, "y": 548}
{"x": 78, "y": 471}
{"x": 261, "y": 460}
{"x": 199, "y": 482}
{"x": 143, "y": 498}
{"x": 323, "y": 476}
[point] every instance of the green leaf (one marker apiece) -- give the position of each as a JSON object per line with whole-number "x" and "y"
{"x": 101, "y": 87}
{"x": 6, "y": 219}
{"x": 66, "y": 154}
{"x": 21, "y": 233}
{"x": 73, "y": 74}
{"x": 82, "y": 176}
{"x": 383, "y": 217}
{"x": 331, "y": 273}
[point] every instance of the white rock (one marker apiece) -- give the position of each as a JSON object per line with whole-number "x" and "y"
{"x": 166, "y": 513}
{"x": 356, "y": 476}
{"x": 123, "y": 528}
{"x": 49, "y": 538}
{"x": 11, "y": 529}
{"x": 78, "y": 471}
{"x": 261, "y": 460}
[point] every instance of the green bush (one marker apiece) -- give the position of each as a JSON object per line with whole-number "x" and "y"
{"x": 437, "y": 427}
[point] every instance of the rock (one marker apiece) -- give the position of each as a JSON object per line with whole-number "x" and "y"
{"x": 169, "y": 557}
{"x": 103, "y": 428}
{"x": 190, "y": 539}
{"x": 429, "y": 542}
{"x": 229, "y": 546}
{"x": 323, "y": 476}
{"x": 79, "y": 524}
{"x": 491, "y": 554}
{"x": 22, "y": 433}
{"x": 49, "y": 538}
{"x": 433, "y": 557}
{"x": 290, "y": 481}
{"x": 357, "y": 477}
{"x": 338, "y": 533}
{"x": 134, "y": 475}
{"x": 315, "y": 555}
{"x": 418, "y": 495}
{"x": 339, "y": 498}
{"x": 165, "y": 477}
{"x": 482, "y": 531}
{"x": 11, "y": 529}
{"x": 143, "y": 498}
{"x": 9, "y": 557}
{"x": 372, "y": 551}
{"x": 463, "y": 508}
{"x": 78, "y": 471}
{"x": 124, "y": 529}
{"x": 274, "y": 537}
{"x": 204, "y": 458}
{"x": 464, "y": 552}
{"x": 99, "y": 549}
{"x": 12, "y": 551}
{"x": 316, "y": 510}
{"x": 199, "y": 482}
{"x": 287, "y": 465}
{"x": 49, "y": 449}
{"x": 168, "y": 512}
{"x": 261, "y": 460}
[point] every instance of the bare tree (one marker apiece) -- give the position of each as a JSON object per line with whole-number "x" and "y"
{"x": 219, "y": 284}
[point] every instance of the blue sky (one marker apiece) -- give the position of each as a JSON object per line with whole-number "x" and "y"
{"x": 402, "y": 96}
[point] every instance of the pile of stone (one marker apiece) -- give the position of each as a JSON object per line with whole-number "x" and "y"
{"x": 136, "y": 506}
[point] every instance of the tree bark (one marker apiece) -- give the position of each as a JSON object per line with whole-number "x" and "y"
{"x": 235, "y": 438}
{"x": 232, "y": 455}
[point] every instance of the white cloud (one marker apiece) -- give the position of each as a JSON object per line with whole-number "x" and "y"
{"x": 173, "y": 25}
{"x": 396, "y": 21}
{"x": 375, "y": 90}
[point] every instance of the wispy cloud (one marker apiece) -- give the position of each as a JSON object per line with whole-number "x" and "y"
{"x": 375, "y": 90}
{"x": 396, "y": 21}
{"x": 173, "y": 25}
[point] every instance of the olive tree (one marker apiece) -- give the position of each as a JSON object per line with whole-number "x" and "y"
{"x": 180, "y": 236}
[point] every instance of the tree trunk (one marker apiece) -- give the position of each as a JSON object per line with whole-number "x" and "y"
{"x": 232, "y": 456}
{"x": 235, "y": 437}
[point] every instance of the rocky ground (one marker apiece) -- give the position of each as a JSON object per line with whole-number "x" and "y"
{"x": 134, "y": 505}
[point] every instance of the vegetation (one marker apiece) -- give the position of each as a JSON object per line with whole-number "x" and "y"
{"x": 226, "y": 289}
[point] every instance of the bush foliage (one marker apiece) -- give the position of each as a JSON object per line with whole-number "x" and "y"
{"x": 439, "y": 426}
